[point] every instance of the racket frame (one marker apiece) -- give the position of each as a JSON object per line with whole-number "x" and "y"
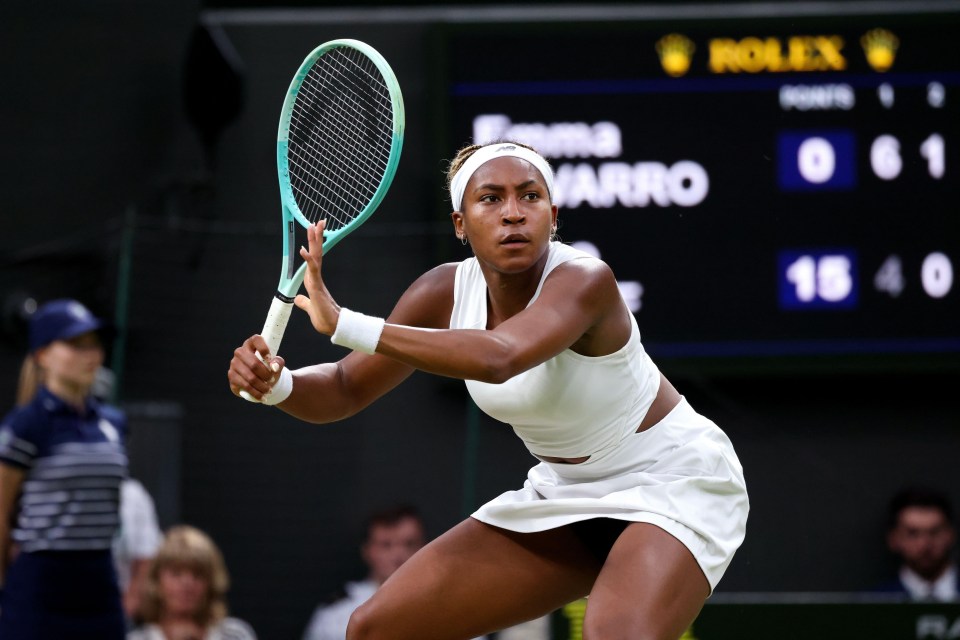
{"x": 290, "y": 280}
{"x": 291, "y": 277}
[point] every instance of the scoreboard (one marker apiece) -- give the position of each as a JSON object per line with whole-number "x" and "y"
{"x": 766, "y": 186}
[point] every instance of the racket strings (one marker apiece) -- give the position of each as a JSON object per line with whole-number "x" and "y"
{"x": 371, "y": 85}
{"x": 348, "y": 108}
{"x": 349, "y": 174}
{"x": 350, "y": 168}
{"x": 341, "y": 132}
{"x": 315, "y": 190}
{"x": 323, "y": 89}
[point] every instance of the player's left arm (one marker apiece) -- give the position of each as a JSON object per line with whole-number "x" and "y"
{"x": 579, "y": 306}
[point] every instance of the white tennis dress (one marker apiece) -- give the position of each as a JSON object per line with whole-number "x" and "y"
{"x": 681, "y": 474}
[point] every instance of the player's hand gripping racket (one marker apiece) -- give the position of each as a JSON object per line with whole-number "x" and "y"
{"x": 338, "y": 146}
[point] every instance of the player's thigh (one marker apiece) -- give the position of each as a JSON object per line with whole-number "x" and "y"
{"x": 476, "y": 579}
{"x": 650, "y": 587}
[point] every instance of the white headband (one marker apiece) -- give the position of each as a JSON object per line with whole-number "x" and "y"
{"x": 488, "y": 153}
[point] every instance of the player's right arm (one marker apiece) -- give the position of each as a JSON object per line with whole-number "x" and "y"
{"x": 336, "y": 390}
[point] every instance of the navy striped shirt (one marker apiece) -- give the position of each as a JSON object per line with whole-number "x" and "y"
{"x": 74, "y": 464}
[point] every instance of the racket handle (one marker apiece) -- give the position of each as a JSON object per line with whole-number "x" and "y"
{"x": 273, "y": 328}
{"x": 276, "y": 323}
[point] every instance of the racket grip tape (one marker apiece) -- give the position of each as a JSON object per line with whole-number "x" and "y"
{"x": 273, "y": 329}
{"x": 276, "y": 323}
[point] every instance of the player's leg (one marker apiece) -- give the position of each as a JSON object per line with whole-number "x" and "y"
{"x": 477, "y": 579}
{"x": 650, "y": 587}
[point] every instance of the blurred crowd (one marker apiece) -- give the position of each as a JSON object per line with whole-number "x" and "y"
{"x": 82, "y": 554}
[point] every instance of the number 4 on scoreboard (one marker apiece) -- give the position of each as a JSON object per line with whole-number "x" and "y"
{"x": 889, "y": 277}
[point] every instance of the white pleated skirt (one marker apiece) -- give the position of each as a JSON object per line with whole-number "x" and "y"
{"x": 681, "y": 475}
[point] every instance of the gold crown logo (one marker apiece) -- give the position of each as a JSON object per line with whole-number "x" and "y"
{"x": 880, "y": 46}
{"x": 675, "y": 52}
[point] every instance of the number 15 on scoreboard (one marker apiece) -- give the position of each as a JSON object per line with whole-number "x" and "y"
{"x": 819, "y": 279}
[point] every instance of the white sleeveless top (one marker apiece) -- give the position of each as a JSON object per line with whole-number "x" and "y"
{"x": 571, "y": 405}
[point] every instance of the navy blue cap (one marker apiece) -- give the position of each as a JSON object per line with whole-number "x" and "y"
{"x": 61, "y": 320}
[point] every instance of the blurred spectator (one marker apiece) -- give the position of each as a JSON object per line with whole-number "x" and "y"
{"x": 392, "y": 536}
{"x": 922, "y": 535}
{"x": 185, "y": 595}
{"x": 62, "y": 459}
{"x": 135, "y": 545}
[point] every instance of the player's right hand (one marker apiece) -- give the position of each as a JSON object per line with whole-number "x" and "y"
{"x": 253, "y": 369}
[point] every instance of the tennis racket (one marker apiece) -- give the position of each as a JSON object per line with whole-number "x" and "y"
{"x": 338, "y": 147}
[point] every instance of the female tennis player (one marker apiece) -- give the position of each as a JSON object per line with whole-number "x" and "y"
{"x": 638, "y": 501}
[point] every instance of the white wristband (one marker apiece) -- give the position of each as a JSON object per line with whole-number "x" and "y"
{"x": 357, "y": 331}
{"x": 281, "y": 390}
